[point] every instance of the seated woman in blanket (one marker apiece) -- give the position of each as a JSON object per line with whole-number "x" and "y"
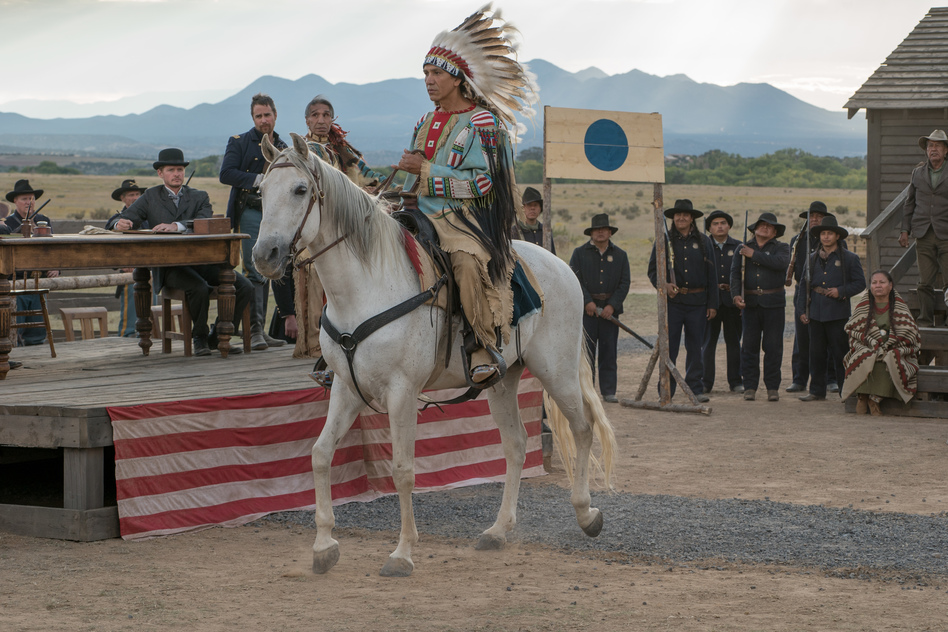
{"x": 883, "y": 347}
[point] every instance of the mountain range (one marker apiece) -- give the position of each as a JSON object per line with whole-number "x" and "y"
{"x": 747, "y": 119}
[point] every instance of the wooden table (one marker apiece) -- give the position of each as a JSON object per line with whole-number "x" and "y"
{"x": 139, "y": 251}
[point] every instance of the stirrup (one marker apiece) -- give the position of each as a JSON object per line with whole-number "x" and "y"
{"x": 498, "y": 364}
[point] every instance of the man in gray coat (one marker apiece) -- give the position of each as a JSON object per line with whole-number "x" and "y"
{"x": 925, "y": 217}
{"x": 166, "y": 208}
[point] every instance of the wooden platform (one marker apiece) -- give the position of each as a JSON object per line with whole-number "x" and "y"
{"x": 53, "y": 416}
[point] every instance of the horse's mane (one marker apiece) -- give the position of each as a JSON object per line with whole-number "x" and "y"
{"x": 351, "y": 211}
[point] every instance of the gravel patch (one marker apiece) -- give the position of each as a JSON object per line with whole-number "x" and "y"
{"x": 841, "y": 541}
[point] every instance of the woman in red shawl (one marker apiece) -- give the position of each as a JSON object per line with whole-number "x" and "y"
{"x": 883, "y": 348}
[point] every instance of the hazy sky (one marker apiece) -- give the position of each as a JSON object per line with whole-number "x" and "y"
{"x": 101, "y": 50}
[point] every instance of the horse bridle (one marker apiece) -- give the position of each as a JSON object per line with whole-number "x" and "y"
{"x": 317, "y": 194}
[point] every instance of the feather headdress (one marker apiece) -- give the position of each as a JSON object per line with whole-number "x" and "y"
{"x": 481, "y": 49}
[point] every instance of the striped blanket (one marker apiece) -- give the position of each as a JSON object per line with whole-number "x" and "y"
{"x": 869, "y": 344}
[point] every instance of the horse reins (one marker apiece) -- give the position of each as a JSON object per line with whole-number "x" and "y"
{"x": 317, "y": 194}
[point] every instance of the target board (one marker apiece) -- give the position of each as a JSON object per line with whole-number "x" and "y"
{"x": 603, "y": 145}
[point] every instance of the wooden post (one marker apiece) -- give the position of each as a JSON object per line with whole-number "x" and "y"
{"x": 667, "y": 370}
{"x": 547, "y": 200}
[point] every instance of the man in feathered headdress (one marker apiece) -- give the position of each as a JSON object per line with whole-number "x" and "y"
{"x": 461, "y": 166}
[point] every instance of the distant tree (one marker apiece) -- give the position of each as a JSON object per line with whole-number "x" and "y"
{"x": 531, "y": 153}
{"x": 529, "y": 172}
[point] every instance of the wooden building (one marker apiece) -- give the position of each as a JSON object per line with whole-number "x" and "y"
{"x": 905, "y": 98}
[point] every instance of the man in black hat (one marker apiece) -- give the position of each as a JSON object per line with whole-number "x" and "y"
{"x": 24, "y": 199}
{"x": 242, "y": 168}
{"x": 603, "y": 272}
{"x": 126, "y": 194}
{"x": 692, "y": 291}
{"x": 757, "y": 287}
{"x": 532, "y": 229}
{"x": 167, "y": 207}
{"x": 925, "y": 217}
{"x": 719, "y": 224}
{"x": 800, "y": 360}
{"x": 837, "y": 276}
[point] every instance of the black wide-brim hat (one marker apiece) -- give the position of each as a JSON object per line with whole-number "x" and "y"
{"x": 171, "y": 157}
{"x": 769, "y": 218}
{"x": 815, "y": 207}
{"x": 600, "y": 221}
{"x": 683, "y": 206}
{"x": 127, "y": 185}
{"x": 22, "y": 187}
{"x": 715, "y": 215}
{"x": 829, "y": 223}
{"x": 531, "y": 195}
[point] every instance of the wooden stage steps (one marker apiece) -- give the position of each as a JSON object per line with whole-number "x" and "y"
{"x": 53, "y": 417}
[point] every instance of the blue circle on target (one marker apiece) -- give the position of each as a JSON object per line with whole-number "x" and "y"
{"x": 606, "y": 144}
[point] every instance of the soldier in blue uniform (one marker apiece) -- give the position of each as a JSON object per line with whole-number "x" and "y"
{"x": 532, "y": 229}
{"x": 837, "y": 276}
{"x": 692, "y": 291}
{"x": 603, "y": 272}
{"x": 800, "y": 361}
{"x": 761, "y": 263}
{"x": 719, "y": 224}
{"x": 242, "y": 168}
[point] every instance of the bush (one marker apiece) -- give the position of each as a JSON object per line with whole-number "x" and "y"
{"x": 100, "y": 213}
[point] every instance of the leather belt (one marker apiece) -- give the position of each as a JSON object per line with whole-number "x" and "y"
{"x": 759, "y": 292}
{"x": 691, "y": 290}
{"x": 601, "y": 297}
{"x": 724, "y": 286}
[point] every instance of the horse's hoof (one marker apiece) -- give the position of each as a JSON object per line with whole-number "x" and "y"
{"x": 593, "y": 528}
{"x": 490, "y": 542}
{"x": 397, "y": 567}
{"x": 325, "y": 559}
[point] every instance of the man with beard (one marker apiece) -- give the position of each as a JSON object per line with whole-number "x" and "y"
{"x": 242, "y": 168}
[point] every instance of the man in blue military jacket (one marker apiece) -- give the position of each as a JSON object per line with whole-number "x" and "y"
{"x": 603, "y": 272}
{"x": 692, "y": 291}
{"x": 167, "y": 208}
{"x": 757, "y": 277}
{"x": 242, "y": 168}
{"x": 837, "y": 276}
{"x": 719, "y": 224}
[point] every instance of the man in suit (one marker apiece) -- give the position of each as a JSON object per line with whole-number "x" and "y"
{"x": 242, "y": 168}
{"x": 925, "y": 217}
{"x": 166, "y": 208}
{"x": 719, "y": 224}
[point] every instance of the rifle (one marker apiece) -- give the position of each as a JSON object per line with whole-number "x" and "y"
{"x": 793, "y": 258}
{"x": 743, "y": 258}
{"x": 189, "y": 178}
{"x": 670, "y": 255}
{"x": 616, "y": 321}
{"x": 808, "y": 270}
{"x": 30, "y": 216}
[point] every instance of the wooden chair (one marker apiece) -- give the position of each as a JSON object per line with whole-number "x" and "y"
{"x": 170, "y": 294}
{"x": 86, "y": 317}
{"x": 34, "y": 291}
{"x": 157, "y": 320}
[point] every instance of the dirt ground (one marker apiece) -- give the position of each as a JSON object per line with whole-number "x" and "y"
{"x": 258, "y": 577}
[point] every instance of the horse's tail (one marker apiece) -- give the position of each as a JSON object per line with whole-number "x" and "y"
{"x": 602, "y": 428}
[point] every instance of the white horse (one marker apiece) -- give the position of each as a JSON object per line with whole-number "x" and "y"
{"x": 364, "y": 270}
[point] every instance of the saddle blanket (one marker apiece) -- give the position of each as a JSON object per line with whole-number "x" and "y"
{"x": 190, "y": 465}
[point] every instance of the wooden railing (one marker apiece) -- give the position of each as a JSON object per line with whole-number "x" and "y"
{"x": 885, "y": 226}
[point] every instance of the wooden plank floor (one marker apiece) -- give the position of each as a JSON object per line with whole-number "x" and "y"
{"x": 93, "y": 374}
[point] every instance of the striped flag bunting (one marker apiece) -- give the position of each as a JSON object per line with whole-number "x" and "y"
{"x": 189, "y": 465}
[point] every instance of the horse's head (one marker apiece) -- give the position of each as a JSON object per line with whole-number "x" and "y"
{"x": 292, "y": 196}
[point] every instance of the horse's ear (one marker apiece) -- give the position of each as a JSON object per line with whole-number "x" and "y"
{"x": 269, "y": 151}
{"x": 299, "y": 144}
